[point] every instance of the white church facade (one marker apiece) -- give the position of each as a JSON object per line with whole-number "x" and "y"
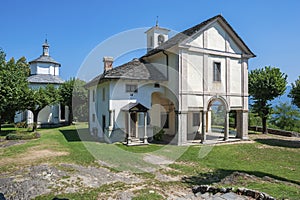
{"x": 173, "y": 86}
{"x": 45, "y": 70}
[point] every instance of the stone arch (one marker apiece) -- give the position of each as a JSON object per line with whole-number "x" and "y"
{"x": 224, "y": 103}
{"x": 220, "y": 99}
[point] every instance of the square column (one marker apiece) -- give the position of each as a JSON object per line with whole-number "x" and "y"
{"x": 145, "y": 126}
{"x": 136, "y": 125}
{"x": 111, "y": 122}
{"x": 242, "y": 124}
{"x": 203, "y": 135}
{"x": 128, "y": 131}
{"x": 226, "y": 127}
{"x": 182, "y": 128}
{"x": 208, "y": 121}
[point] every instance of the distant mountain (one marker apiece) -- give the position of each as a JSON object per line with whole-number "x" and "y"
{"x": 284, "y": 98}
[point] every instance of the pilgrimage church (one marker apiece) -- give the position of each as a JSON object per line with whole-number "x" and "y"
{"x": 173, "y": 86}
{"x": 44, "y": 70}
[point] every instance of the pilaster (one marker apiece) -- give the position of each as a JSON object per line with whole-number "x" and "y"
{"x": 182, "y": 128}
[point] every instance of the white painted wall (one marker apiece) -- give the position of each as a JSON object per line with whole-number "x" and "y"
{"x": 216, "y": 37}
{"x": 44, "y": 68}
{"x": 216, "y": 86}
{"x": 102, "y": 106}
{"x": 94, "y": 125}
{"x": 236, "y": 76}
{"x": 195, "y": 71}
{"x": 198, "y": 41}
{"x": 48, "y": 115}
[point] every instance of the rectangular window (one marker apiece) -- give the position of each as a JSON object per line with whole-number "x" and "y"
{"x": 196, "y": 119}
{"x": 93, "y": 95}
{"x": 217, "y": 71}
{"x": 131, "y": 88}
{"x": 103, "y": 94}
{"x": 94, "y": 118}
{"x": 164, "y": 119}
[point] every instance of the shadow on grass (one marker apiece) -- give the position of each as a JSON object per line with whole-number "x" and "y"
{"x": 218, "y": 175}
{"x": 6, "y": 132}
{"x": 280, "y": 143}
{"x": 78, "y": 135}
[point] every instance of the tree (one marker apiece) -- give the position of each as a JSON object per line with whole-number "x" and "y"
{"x": 13, "y": 83}
{"x": 74, "y": 95}
{"x": 39, "y": 99}
{"x": 265, "y": 85}
{"x": 285, "y": 117}
{"x": 295, "y": 93}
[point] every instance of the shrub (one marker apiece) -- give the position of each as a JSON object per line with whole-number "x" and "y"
{"x": 23, "y": 136}
{"x": 21, "y": 125}
{"x": 159, "y": 135}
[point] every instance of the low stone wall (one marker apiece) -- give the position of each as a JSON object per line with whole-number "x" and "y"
{"x": 275, "y": 131}
{"x": 202, "y": 189}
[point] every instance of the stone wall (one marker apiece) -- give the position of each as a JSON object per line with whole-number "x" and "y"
{"x": 275, "y": 131}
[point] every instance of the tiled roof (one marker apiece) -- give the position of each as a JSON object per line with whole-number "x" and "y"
{"x": 135, "y": 107}
{"x": 45, "y": 78}
{"x": 45, "y": 59}
{"x": 134, "y": 70}
{"x": 191, "y": 31}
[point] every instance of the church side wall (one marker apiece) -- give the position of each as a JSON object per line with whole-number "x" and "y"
{"x": 119, "y": 97}
{"x": 93, "y": 121}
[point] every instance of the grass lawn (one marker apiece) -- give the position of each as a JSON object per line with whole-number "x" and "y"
{"x": 276, "y": 158}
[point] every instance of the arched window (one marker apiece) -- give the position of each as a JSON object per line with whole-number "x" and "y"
{"x": 160, "y": 39}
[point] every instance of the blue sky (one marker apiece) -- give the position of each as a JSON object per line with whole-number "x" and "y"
{"x": 270, "y": 28}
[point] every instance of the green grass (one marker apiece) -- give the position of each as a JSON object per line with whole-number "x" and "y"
{"x": 57, "y": 140}
{"x": 275, "y": 158}
{"x": 282, "y": 164}
{"x": 140, "y": 149}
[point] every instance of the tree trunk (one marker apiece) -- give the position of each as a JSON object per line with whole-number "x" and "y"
{"x": 0, "y": 122}
{"x": 70, "y": 115}
{"x": 264, "y": 124}
{"x": 35, "y": 120}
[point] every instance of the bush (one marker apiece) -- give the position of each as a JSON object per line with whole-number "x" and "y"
{"x": 159, "y": 135}
{"x": 21, "y": 125}
{"x": 23, "y": 136}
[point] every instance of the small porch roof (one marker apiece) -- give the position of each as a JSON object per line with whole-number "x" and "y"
{"x": 134, "y": 107}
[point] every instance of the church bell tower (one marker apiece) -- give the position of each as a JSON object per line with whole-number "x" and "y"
{"x": 156, "y": 36}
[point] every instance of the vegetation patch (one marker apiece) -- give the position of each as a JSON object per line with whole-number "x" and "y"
{"x": 22, "y": 135}
{"x": 140, "y": 149}
{"x": 147, "y": 194}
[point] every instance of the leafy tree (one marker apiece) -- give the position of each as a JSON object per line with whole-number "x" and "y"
{"x": 265, "y": 85}
{"x": 254, "y": 119}
{"x": 39, "y": 99}
{"x": 74, "y": 95}
{"x": 295, "y": 93}
{"x": 285, "y": 117}
{"x": 13, "y": 83}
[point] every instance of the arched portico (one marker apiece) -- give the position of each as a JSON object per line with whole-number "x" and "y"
{"x": 222, "y": 104}
{"x": 162, "y": 113}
